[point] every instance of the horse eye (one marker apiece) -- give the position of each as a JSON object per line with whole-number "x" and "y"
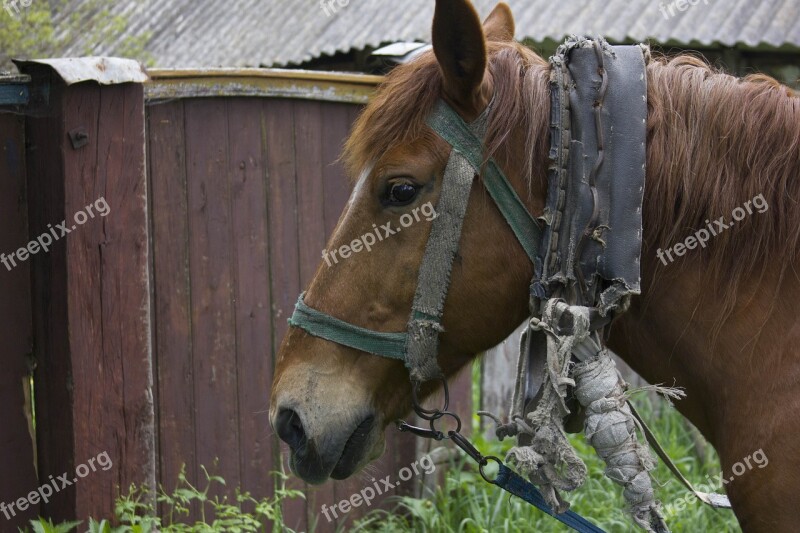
{"x": 401, "y": 193}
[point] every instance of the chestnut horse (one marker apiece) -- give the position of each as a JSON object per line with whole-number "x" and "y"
{"x": 718, "y": 320}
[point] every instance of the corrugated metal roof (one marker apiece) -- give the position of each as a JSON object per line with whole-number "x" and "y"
{"x": 236, "y": 33}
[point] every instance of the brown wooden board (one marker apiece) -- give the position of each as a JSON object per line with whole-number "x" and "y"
{"x": 17, "y": 460}
{"x": 336, "y": 122}
{"x": 172, "y": 329}
{"x": 284, "y": 251}
{"x": 252, "y": 295}
{"x": 54, "y": 415}
{"x": 91, "y": 297}
{"x": 93, "y": 389}
{"x": 311, "y": 241}
{"x": 108, "y": 292}
{"x": 212, "y": 288}
{"x": 123, "y": 246}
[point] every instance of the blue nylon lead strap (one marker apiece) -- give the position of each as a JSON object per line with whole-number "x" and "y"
{"x": 513, "y": 483}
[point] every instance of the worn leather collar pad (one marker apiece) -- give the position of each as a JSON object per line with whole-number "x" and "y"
{"x": 594, "y": 210}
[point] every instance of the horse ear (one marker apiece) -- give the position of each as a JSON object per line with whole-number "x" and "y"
{"x": 460, "y": 49}
{"x": 499, "y": 25}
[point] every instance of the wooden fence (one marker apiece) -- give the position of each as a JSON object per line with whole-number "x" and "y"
{"x": 150, "y": 333}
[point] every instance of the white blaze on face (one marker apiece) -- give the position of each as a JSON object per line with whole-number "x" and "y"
{"x": 360, "y": 186}
{"x": 361, "y": 183}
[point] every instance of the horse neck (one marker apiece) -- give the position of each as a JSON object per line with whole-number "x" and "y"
{"x": 714, "y": 326}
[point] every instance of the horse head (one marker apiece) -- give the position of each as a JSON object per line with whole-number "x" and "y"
{"x": 330, "y": 402}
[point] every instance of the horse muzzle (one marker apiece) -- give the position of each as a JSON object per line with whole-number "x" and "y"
{"x": 336, "y": 450}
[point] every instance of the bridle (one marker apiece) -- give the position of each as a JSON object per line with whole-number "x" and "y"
{"x": 418, "y": 347}
{"x": 585, "y": 250}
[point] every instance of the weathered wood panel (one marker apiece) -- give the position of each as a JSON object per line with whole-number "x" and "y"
{"x": 91, "y": 296}
{"x": 264, "y": 173}
{"x": 122, "y": 242}
{"x": 172, "y": 331}
{"x": 253, "y": 295}
{"x": 17, "y": 460}
{"x": 212, "y": 283}
{"x": 49, "y": 306}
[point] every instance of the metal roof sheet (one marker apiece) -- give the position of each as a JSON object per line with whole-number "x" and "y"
{"x": 238, "y": 33}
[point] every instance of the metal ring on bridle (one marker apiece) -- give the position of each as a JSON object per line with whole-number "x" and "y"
{"x": 431, "y": 414}
{"x": 442, "y": 414}
{"x": 485, "y": 462}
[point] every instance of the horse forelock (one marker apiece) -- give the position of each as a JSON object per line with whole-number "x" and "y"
{"x": 398, "y": 112}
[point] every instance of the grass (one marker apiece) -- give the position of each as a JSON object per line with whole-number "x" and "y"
{"x": 463, "y": 502}
{"x": 466, "y": 503}
{"x": 136, "y": 512}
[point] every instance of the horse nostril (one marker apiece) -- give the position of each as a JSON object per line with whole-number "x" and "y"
{"x": 290, "y": 428}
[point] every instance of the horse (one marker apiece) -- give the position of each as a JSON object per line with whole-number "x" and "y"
{"x": 715, "y": 318}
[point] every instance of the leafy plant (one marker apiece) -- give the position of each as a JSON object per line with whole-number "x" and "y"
{"x": 136, "y": 511}
{"x": 47, "y": 526}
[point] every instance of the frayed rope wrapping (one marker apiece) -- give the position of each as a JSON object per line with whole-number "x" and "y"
{"x": 611, "y": 430}
{"x": 548, "y": 459}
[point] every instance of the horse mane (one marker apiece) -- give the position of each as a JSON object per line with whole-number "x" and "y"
{"x": 714, "y": 142}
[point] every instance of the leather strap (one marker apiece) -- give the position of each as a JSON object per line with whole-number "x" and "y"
{"x": 718, "y": 501}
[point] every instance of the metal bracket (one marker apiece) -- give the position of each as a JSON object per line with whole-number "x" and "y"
{"x": 78, "y": 137}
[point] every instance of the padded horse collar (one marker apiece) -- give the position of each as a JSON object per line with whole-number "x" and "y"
{"x": 596, "y": 181}
{"x": 590, "y": 246}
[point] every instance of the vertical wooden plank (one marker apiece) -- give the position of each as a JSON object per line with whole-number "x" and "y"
{"x": 124, "y": 251}
{"x": 172, "y": 331}
{"x": 213, "y": 321}
{"x": 85, "y": 299}
{"x": 108, "y": 292}
{"x": 312, "y": 232}
{"x": 252, "y": 295}
{"x": 310, "y": 186}
{"x": 498, "y": 375}
{"x": 336, "y": 123}
{"x": 17, "y": 460}
{"x": 91, "y": 296}
{"x": 54, "y": 413}
{"x": 278, "y": 128}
